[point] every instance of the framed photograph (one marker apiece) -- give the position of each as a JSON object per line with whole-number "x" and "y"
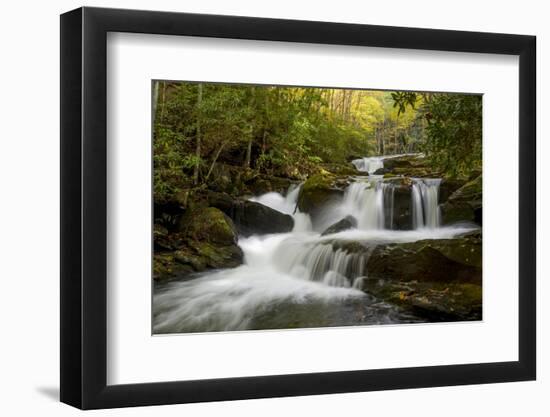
{"x": 258, "y": 208}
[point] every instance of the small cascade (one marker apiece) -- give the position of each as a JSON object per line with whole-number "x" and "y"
{"x": 284, "y": 204}
{"x": 367, "y": 202}
{"x": 288, "y": 205}
{"x": 425, "y": 203}
{"x": 388, "y": 190}
{"x": 369, "y": 165}
{"x": 321, "y": 262}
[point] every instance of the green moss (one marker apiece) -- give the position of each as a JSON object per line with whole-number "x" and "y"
{"x": 209, "y": 225}
{"x": 464, "y": 202}
{"x": 318, "y": 190}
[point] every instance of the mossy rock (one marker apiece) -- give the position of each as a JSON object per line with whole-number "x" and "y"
{"x": 165, "y": 267}
{"x": 251, "y": 217}
{"x": 339, "y": 169}
{"x": 317, "y": 191}
{"x": 208, "y": 225}
{"x": 206, "y": 239}
{"x": 441, "y": 260}
{"x": 465, "y": 204}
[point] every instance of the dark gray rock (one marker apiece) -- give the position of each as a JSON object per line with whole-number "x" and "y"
{"x": 346, "y": 223}
{"x": 251, "y": 217}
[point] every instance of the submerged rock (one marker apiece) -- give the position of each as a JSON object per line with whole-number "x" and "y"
{"x": 346, "y": 223}
{"x": 251, "y": 217}
{"x": 434, "y": 302}
{"x": 465, "y": 204}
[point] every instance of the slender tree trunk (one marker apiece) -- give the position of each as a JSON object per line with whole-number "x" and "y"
{"x": 155, "y": 99}
{"x": 163, "y": 101}
{"x": 216, "y": 156}
{"x": 248, "y": 153}
{"x": 198, "y": 144}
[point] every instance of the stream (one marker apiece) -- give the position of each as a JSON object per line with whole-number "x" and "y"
{"x": 299, "y": 279}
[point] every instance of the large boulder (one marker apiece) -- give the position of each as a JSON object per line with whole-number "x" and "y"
{"x": 318, "y": 192}
{"x": 205, "y": 238}
{"x": 437, "y": 260}
{"x": 438, "y": 280}
{"x": 251, "y": 217}
{"x": 339, "y": 168}
{"x": 346, "y": 223}
{"x": 210, "y": 225}
{"x": 398, "y": 214}
{"x": 465, "y": 204}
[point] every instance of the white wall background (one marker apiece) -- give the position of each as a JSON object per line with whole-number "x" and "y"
{"x": 29, "y": 225}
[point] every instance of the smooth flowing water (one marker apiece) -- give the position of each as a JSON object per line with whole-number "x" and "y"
{"x": 372, "y": 164}
{"x": 425, "y": 203}
{"x": 302, "y": 279}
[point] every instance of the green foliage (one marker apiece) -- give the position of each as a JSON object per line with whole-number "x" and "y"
{"x": 455, "y": 133}
{"x": 454, "y": 129}
{"x": 288, "y": 131}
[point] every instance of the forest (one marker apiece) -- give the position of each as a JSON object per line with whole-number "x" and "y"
{"x": 282, "y": 207}
{"x": 292, "y": 131}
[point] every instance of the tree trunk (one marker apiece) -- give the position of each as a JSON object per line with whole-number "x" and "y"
{"x": 198, "y": 145}
{"x": 216, "y": 156}
{"x": 163, "y": 101}
{"x": 155, "y": 99}
{"x": 248, "y": 153}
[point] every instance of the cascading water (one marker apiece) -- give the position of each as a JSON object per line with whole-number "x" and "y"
{"x": 369, "y": 165}
{"x": 320, "y": 261}
{"x": 425, "y": 203}
{"x": 370, "y": 202}
{"x": 287, "y": 205}
{"x": 373, "y": 163}
{"x": 286, "y": 277}
{"x": 364, "y": 200}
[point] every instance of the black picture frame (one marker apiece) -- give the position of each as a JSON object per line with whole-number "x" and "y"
{"x": 84, "y": 207}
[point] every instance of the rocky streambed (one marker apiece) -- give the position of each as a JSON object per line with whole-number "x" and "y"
{"x": 344, "y": 247}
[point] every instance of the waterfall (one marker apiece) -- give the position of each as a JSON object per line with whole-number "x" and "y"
{"x": 373, "y": 163}
{"x": 321, "y": 262}
{"x": 287, "y": 205}
{"x": 425, "y": 203}
{"x": 369, "y": 165}
{"x": 367, "y": 202}
{"x": 284, "y": 204}
{"x": 389, "y": 199}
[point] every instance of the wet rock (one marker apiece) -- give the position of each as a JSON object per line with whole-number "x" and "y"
{"x": 465, "y": 204}
{"x": 400, "y": 218}
{"x": 441, "y": 260}
{"x": 382, "y": 171}
{"x": 339, "y": 169}
{"x": 318, "y": 192}
{"x": 346, "y": 223}
{"x": 438, "y": 280}
{"x": 251, "y": 217}
{"x": 431, "y": 301}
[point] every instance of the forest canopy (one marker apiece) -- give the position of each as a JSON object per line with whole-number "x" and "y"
{"x": 293, "y": 131}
